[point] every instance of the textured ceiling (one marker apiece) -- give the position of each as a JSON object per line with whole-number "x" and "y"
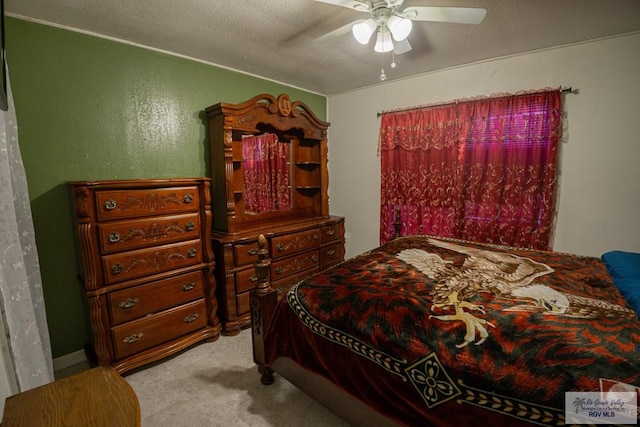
{"x": 274, "y": 39}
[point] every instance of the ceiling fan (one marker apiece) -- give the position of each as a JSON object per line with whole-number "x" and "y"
{"x": 393, "y": 24}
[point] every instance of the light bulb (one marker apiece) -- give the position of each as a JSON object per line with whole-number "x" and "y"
{"x": 399, "y": 27}
{"x": 363, "y": 31}
{"x": 383, "y": 42}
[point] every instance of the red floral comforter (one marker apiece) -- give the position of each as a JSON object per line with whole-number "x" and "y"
{"x": 442, "y": 332}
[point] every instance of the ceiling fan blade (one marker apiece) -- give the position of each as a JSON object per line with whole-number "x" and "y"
{"x": 340, "y": 31}
{"x": 401, "y": 47}
{"x": 459, "y": 15}
{"x": 360, "y": 6}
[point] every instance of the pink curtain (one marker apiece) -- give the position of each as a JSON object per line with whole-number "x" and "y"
{"x": 266, "y": 173}
{"x": 482, "y": 170}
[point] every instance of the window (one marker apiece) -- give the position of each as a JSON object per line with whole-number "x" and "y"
{"x": 482, "y": 170}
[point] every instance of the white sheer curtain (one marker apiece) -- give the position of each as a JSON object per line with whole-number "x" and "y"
{"x": 21, "y": 297}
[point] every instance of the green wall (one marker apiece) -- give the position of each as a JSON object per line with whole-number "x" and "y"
{"x": 91, "y": 109}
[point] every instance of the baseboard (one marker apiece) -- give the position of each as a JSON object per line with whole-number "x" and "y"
{"x": 68, "y": 360}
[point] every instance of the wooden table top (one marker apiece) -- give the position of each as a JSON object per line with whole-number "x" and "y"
{"x": 98, "y": 397}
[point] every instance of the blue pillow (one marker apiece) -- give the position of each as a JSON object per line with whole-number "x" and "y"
{"x": 622, "y": 264}
{"x": 630, "y": 289}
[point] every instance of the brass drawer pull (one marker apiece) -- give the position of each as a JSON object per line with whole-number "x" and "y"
{"x": 188, "y": 198}
{"x": 314, "y": 258}
{"x": 278, "y": 270}
{"x": 191, "y": 317}
{"x": 253, "y": 251}
{"x": 133, "y": 338}
{"x": 316, "y": 236}
{"x": 110, "y": 205}
{"x": 189, "y": 226}
{"x": 188, "y": 286}
{"x": 114, "y": 237}
{"x": 331, "y": 252}
{"x": 331, "y": 232}
{"x": 128, "y": 303}
{"x": 192, "y": 252}
{"x": 116, "y": 268}
{"x": 280, "y": 247}
{"x": 253, "y": 278}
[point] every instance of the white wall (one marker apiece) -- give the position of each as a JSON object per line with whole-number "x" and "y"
{"x": 599, "y": 199}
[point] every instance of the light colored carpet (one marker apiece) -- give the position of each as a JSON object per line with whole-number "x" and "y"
{"x": 217, "y": 384}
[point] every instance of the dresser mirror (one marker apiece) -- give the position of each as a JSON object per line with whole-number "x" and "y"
{"x": 268, "y": 163}
{"x": 266, "y": 171}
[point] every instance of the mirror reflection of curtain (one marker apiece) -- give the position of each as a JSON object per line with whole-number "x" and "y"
{"x": 266, "y": 173}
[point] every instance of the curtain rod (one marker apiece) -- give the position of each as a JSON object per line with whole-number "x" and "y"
{"x": 563, "y": 90}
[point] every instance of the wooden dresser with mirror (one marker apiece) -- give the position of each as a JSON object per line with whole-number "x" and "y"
{"x": 270, "y": 176}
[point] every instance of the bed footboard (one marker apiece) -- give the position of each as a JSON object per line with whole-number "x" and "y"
{"x": 263, "y": 299}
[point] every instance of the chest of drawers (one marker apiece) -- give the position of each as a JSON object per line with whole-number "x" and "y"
{"x": 297, "y": 250}
{"x": 146, "y": 267}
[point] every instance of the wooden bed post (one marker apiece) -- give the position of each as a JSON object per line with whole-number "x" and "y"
{"x": 263, "y": 301}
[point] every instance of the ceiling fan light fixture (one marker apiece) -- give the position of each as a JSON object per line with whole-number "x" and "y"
{"x": 400, "y": 27}
{"x": 363, "y": 31}
{"x": 383, "y": 42}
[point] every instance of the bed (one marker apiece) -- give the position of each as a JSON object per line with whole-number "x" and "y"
{"x": 444, "y": 332}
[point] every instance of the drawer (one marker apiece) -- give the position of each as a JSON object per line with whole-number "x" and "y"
{"x": 329, "y": 255}
{"x": 144, "y": 262}
{"x": 246, "y": 253}
{"x": 294, "y": 264}
{"x": 295, "y": 242}
{"x": 329, "y": 233}
{"x": 140, "y": 233}
{"x": 142, "y": 334}
{"x": 243, "y": 302}
{"x": 138, "y": 301}
{"x": 135, "y": 203}
{"x": 283, "y": 285}
{"x": 246, "y": 280}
